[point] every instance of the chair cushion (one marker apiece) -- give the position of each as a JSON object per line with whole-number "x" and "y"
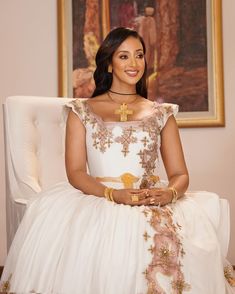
{"x": 35, "y": 133}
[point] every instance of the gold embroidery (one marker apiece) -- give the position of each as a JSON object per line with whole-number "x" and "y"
{"x": 229, "y": 275}
{"x": 149, "y": 154}
{"x": 167, "y": 251}
{"x": 145, "y": 141}
{"x": 145, "y": 273}
{"x": 146, "y": 236}
{"x": 148, "y": 182}
{"x": 180, "y": 286}
{"x": 5, "y": 288}
{"x": 126, "y": 139}
{"x": 145, "y": 212}
{"x": 151, "y": 249}
{"x": 86, "y": 119}
{"x": 182, "y": 252}
{"x": 102, "y": 138}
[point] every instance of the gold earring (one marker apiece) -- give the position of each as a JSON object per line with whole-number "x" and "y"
{"x": 110, "y": 70}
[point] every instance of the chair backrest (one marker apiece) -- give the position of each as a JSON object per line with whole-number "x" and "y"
{"x": 34, "y": 134}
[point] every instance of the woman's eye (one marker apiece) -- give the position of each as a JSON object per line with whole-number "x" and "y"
{"x": 123, "y": 56}
{"x": 140, "y": 56}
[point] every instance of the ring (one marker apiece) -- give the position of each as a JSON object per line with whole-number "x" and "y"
{"x": 134, "y": 198}
{"x": 152, "y": 200}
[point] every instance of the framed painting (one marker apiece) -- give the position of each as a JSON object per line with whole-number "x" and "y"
{"x": 184, "y": 51}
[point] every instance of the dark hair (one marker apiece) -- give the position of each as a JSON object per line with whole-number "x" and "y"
{"x": 103, "y": 79}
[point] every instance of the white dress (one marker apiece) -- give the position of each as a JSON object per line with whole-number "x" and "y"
{"x": 69, "y": 242}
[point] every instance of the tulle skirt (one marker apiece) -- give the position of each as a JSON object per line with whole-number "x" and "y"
{"x": 69, "y": 243}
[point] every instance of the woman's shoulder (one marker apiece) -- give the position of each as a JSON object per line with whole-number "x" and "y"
{"x": 167, "y": 108}
{"x": 78, "y": 107}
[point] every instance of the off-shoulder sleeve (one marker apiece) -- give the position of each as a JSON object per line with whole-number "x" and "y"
{"x": 78, "y": 107}
{"x": 166, "y": 110}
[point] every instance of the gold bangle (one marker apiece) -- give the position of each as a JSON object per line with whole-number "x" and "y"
{"x": 111, "y": 194}
{"x": 174, "y": 194}
{"x": 108, "y": 194}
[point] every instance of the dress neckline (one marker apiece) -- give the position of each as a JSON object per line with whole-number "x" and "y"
{"x": 99, "y": 118}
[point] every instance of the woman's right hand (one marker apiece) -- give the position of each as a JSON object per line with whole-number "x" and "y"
{"x": 131, "y": 196}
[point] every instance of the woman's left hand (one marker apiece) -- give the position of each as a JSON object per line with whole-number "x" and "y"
{"x": 160, "y": 196}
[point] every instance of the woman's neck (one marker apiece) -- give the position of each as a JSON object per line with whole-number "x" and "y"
{"x": 121, "y": 98}
{"x": 123, "y": 94}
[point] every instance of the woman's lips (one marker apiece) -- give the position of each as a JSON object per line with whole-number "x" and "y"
{"x": 132, "y": 73}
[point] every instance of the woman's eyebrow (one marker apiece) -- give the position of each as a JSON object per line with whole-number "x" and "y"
{"x": 126, "y": 51}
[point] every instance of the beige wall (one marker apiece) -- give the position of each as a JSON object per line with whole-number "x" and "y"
{"x": 28, "y": 62}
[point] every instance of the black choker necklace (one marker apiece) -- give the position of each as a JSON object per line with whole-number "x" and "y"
{"x": 122, "y": 93}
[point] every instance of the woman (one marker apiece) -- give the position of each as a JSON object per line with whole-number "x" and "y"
{"x": 118, "y": 229}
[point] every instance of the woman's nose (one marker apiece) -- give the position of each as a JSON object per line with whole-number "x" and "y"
{"x": 133, "y": 61}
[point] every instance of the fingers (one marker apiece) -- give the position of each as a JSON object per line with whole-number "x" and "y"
{"x": 137, "y": 195}
{"x": 143, "y": 198}
{"x": 157, "y": 197}
{"x": 156, "y": 192}
{"x": 149, "y": 201}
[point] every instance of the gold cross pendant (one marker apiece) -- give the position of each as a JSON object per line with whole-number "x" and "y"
{"x": 123, "y": 111}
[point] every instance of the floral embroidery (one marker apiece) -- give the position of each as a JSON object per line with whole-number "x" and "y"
{"x": 166, "y": 251}
{"x": 126, "y": 139}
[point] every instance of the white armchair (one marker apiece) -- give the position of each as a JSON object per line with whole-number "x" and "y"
{"x": 34, "y": 148}
{"x": 34, "y": 140}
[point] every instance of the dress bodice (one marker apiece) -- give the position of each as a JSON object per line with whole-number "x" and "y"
{"x": 115, "y": 148}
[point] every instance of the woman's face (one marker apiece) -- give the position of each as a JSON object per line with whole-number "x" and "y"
{"x": 128, "y": 63}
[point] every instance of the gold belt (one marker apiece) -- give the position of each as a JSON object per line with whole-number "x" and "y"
{"x": 128, "y": 180}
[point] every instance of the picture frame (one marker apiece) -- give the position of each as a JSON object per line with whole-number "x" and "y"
{"x": 212, "y": 115}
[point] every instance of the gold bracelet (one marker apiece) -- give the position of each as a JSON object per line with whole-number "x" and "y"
{"x": 108, "y": 194}
{"x": 174, "y": 194}
{"x": 111, "y": 194}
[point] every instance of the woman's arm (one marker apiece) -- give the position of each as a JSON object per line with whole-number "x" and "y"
{"x": 76, "y": 158}
{"x": 173, "y": 157}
